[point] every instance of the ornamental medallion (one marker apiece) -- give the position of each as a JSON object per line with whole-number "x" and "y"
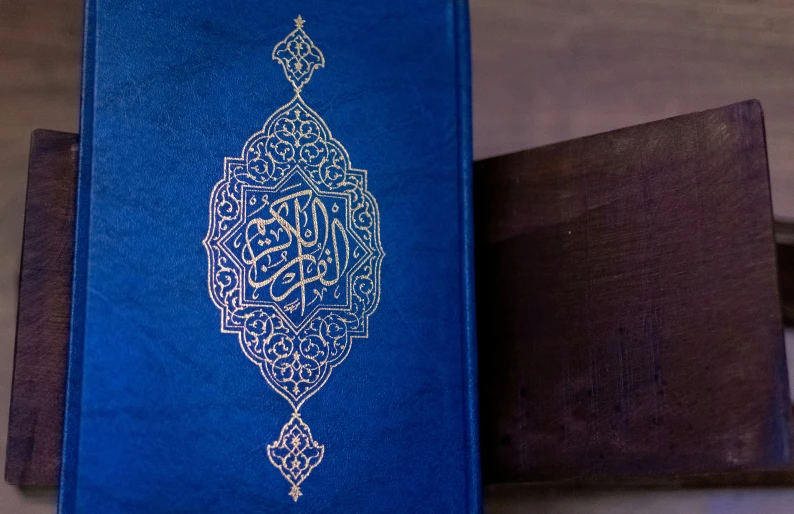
{"x": 294, "y": 254}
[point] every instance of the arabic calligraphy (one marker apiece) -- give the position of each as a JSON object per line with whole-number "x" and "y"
{"x": 297, "y": 244}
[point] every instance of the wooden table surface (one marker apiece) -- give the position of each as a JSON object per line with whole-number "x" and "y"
{"x": 544, "y": 71}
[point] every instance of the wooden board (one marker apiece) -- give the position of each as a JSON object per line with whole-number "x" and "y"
{"x": 36, "y": 413}
{"x": 33, "y": 451}
{"x": 628, "y": 310}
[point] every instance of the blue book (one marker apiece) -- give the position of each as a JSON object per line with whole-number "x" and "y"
{"x": 273, "y": 305}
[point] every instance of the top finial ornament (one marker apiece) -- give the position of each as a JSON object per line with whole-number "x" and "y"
{"x": 298, "y": 55}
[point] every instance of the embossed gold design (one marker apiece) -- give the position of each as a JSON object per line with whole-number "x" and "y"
{"x": 299, "y": 57}
{"x": 295, "y": 453}
{"x": 294, "y": 254}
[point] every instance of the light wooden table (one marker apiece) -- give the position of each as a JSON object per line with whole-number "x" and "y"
{"x": 544, "y": 71}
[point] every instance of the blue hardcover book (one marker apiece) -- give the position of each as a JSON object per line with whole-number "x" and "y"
{"x": 273, "y": 306}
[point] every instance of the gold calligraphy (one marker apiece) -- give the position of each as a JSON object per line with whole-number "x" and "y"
{"x": 296, "y": 245}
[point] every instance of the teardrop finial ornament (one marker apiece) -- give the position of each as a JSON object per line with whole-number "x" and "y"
{"x": 299, "y": 56}
{"x": 295, "y": 454}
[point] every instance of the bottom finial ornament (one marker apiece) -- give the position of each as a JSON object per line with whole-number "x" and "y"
{"x": 295, "y": 454}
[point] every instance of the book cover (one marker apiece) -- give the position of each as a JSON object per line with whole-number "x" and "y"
{"x": 272, "y": 304}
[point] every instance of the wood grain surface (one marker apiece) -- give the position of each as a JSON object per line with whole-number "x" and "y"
{"x": 35, "y": 419}
{"x": 625, "y": 329}
{"x": 544, "y": 71}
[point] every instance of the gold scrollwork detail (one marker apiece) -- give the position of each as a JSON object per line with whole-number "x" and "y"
{"x": 294, "y": 254}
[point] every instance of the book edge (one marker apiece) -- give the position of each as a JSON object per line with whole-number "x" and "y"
{"x": 67, "y": 498}
{"x": 463, "y": 71}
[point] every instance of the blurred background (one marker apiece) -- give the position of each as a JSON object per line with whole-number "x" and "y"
{"x": 544, "y": 71}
